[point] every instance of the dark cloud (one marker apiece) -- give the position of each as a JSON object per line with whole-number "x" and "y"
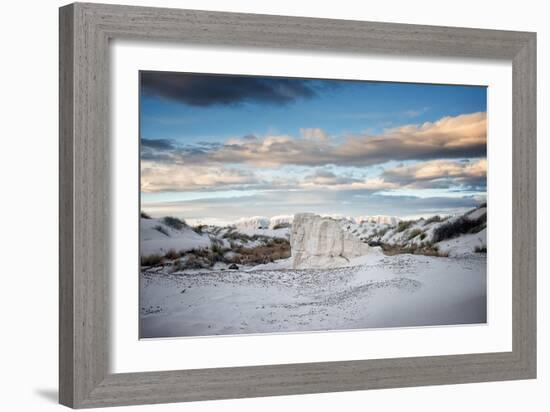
{"x": 209, "y": 144}
{"x": 159, "y": 144}
{"x": 208, "y": 90}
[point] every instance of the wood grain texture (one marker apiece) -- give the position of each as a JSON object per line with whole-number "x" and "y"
{"x": 524, "y": 207}
{"x": 85, "y": 31}
{"x": 66, "y": 229}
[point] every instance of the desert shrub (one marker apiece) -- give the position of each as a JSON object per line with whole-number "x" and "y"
{"x": 234, "y": 235}
{"x": 264, "y": 254}
{"x": 151, "y": 260}
{"x": 201, "y": 258}
{"x": 201, "y": 252}
{"x": 199, "y": 229}
{"x": 423, "y": 236}
{"x": 480, "y": 249}
{"x": 404, "y": 225}
{"x": 162, "y": 230}
{"x": 193, "y": 262}
{"x": 425, "y": 249}
{"x": 382, "y": 232}
{"x": 144, "y": 215}
{"x": 216, "y": 230}
{"x": 172, "y": 254}
{"x": 281, "y": 225}
{"x": 434, "y": 219}
{"x": 178, "y": 265}
{"x": 235, "y": 259}
{"x": 430, "y": 250}
{"x": 217, "y": 252}
{"x": 260, "y": 237}
{"x": 459, "y": 227}
{"x": 174, "y": 222}
{"x": 278, "y": 240}
{"x": 414, "y": 233}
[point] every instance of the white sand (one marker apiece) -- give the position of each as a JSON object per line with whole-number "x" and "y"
{"x": 375, "y": 291}
{"x": 152, "y": 241}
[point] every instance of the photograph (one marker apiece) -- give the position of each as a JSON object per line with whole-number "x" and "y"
{"x": 292, "y": 205}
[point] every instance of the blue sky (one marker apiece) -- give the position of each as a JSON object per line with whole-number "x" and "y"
{"x": 211, "y": 144}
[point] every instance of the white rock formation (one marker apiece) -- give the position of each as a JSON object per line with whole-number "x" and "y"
{"x": 322, "y": 242}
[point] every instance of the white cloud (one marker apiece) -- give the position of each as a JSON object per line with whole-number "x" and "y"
{"x": 314, "y": 134}
{"x": 240, "y": 161}
{"x": 431, "y": 174}
{"x": 158, "y": 176}
{"x": 437, "y": 174}
{"x": 450, "y": 137}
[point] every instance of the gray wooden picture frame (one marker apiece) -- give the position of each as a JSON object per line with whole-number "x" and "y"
{"x": 85, "y": 32}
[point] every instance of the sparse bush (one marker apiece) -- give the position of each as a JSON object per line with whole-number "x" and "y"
{"x": 434, "y": 219}
{"x": 178, "y": 265}
{"x": 174, "y": 222}
{"x": 202, "y": 252}
{"x": 480, "y": 249}
{"x": 431, "y": 251}
{"x": 199, "y": 229}
{"x": 201, "y": 258}
{"x": 414, "y": 233}
{"x": 423, "y": 236}
{"x": 144, "y": 215}
{"x": 382, "y": 232}
{"x": 193, "y": 262}
{"x": 235, "y": 259}
{"x": 459, "y": 227}
{"x": 260, "y": 237}
{"x": 151, "y": 260}
{"x": 162, "y": 230}
{"x": 172, "y": 254}
{"x": 404, "y": 225}
{"x": 234, "y": 235}
{"x": 264, "y": 254}
{"x": 281, "y": 226}
{"x": 217, "y": 252}
{"x": 425, "y": 249}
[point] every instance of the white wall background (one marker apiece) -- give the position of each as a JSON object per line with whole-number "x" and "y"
{"x": 28, "y": 240}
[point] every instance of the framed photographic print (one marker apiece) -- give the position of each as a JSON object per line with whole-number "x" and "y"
{"x": 212, "y": 264}
{"x": 257, "y": 205}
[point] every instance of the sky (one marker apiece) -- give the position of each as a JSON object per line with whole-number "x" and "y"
{"x": 217, "y": 148}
